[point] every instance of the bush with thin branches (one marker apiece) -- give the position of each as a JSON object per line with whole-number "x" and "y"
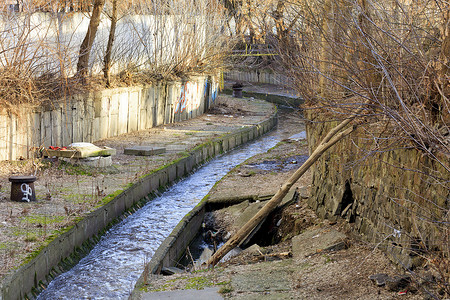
{"x": 392, "y": 58}
{"x": 40, "y": 48}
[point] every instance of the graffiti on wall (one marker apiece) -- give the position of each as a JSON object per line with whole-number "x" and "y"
{"x": 189, "y": 97}
{"x": 214, "y": 93}
{"x": 214, "y": 88}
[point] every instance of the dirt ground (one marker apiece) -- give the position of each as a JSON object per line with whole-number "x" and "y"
{"x": 65, "y": 192}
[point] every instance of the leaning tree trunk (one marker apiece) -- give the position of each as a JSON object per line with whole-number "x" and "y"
{"x": 331, "y": 138}
{"x": 86, "y": 45}
{"x": 112, "y": 34}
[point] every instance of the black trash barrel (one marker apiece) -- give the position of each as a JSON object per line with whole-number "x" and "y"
{"x": 237, "y": 92}
{"x": 22, "y": 188}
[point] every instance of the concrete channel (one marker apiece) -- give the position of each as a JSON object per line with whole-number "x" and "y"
{"x": 68, "y": 247}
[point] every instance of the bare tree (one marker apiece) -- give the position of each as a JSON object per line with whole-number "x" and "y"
{"x": 86, "y": 45}
{"x": 112, "y": 33}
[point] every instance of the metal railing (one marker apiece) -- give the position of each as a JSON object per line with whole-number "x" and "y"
{"x": 254, "y": 50}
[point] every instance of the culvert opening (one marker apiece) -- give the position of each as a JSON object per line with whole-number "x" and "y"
{"x": 213, "y": 234}
{"x": 345, "y": 209}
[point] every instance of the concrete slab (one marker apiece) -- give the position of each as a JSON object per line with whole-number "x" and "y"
{"x": 95, "y": 162}
{"x": 81, "y": 150}
{"x": 205, "y": 294}
{"x": 144, "y": 150}
{"x": 248, "y": 213}
{"x": 262, "y": 279}
{"x": 266, "y": 296}
{"x": 316, "y": 240}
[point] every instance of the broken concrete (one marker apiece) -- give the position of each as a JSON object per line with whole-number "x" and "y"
{"x": 317, "y": 240}
{"x": 204, "y": 294}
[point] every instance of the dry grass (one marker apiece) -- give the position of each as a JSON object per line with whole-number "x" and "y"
{"x": 153, "y": 41}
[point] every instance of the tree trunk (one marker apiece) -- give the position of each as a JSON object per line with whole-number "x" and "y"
{"x": 326, "y": 143}
{"x": 86, "y": 45}
{"x": 278, "y": 16}
{"x": 112, "y": 34}
{"x": 324, "y": 63}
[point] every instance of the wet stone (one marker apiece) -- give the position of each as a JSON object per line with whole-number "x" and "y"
{"x": 171, "y": 270}
{"x": 379, "y": 279}
{"x": 398, "y": 283}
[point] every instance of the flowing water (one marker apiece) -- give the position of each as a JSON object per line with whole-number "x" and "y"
{"x": 112, "y": 268}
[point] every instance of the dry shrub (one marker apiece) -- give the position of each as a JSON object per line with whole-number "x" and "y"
{"x": 39, "y": 51}
{"x": 392, "y": 58}
{"x": 392, "y": 55}
{"x": 16, "y": 89}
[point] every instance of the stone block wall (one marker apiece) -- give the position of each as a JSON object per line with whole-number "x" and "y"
{"x": 97, "y": 115}
{"x": 397, "y": 199}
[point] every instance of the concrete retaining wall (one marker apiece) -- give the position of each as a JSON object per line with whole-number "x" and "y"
{"x": 174, "y": 246}
{"x": 103, "y": 114}
{"x": 19, "y": 284}
{"x": 257, "y": 76}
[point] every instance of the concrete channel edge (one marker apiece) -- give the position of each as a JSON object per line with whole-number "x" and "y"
{"x": 31, "y": 277}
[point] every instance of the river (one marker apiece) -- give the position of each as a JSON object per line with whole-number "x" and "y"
{"x": 112, "y": 268}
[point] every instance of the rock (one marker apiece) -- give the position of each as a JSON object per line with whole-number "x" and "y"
{"x": 171, "y": 270}
{"x": 254, "y": 250}
{"x": 428, "y": 278}
{"x": 304, "y": 192}
{"x": 94, "y": 162}
{"x": 299, "y": 136}
{"x": 398, "y": 283}
{"x": 379, "y": 279}
{"x": 231, "y": 254}
{"x": 316, "y": 240}
{"x": 245, "y": 174}
{"x": 235, "y": 210}
{"x": 291, "y": 197}
{"x": 206, "y": 254}
{"x": 248, "y": 213}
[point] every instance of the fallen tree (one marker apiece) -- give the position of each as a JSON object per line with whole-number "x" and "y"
{"x": 335, "y": 135}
